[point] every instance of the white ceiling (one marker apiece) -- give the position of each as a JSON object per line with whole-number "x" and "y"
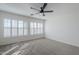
{"x": 24, "y": 8}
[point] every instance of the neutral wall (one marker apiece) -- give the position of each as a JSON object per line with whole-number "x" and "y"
{"x": 9, "y": 40}
{"x": 63, "y": 24}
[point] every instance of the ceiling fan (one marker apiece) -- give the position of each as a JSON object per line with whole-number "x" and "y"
{"x": 42, "y": 10}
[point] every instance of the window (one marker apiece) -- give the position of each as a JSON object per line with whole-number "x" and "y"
{"x": 40, "y": 28}
{"x": 20, "y": 28}
{"x": 7, "y": 23}
{"x": 31, "y": 28}
{"x": 25, "y": 28}
{"x": 14, "y": 27}
{"x": 7, "y": 27}
{"x": 36, "y": 28}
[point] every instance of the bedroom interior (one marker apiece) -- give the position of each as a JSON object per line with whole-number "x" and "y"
{"x": 39, "y": 29}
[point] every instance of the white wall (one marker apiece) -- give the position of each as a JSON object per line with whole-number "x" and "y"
{"x": 9, "y": 40}
{"x": 63, "y": 24}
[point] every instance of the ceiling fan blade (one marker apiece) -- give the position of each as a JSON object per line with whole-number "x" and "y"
{"x": 45, "y": 4}
{"x": 35, "y": 13}
{"x": 48, "y": 11}
{"x": 34, "y": 8}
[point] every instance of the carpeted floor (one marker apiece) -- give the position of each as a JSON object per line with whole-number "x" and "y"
{"x": 39, "y": 47}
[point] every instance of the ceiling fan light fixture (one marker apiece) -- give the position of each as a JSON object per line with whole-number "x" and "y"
{"x": 42, "y": 11}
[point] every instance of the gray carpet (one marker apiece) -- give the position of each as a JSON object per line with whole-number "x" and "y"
{"x": 39, "y": 47}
